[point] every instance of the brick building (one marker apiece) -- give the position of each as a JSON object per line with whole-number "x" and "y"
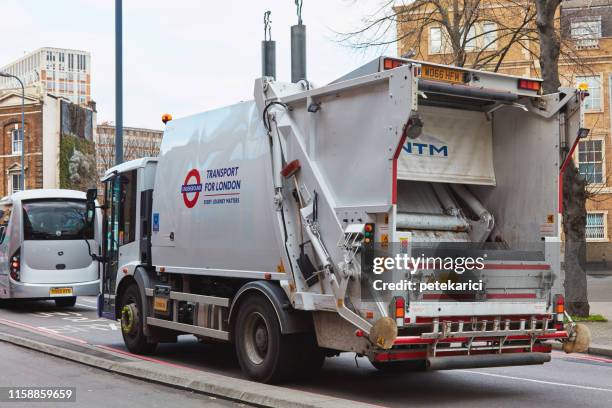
{"x": 586, "y": 32}
{"x": 54, "y": 129}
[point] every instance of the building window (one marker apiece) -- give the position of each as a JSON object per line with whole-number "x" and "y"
{"x": 596, "y": 226}
{"x": 15, "y": 182}
{"x": 435, "y": 40}
{"x": 586, "y": 33}
{"x": 489, "y": 35}
{"x": 470, "y": 40}
{"x": 593, "y": 101}
{"x": 16, "y": 141}
{"x": 590, "y": 161}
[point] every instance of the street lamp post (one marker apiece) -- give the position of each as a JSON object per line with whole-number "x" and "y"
{"x": 7, "y": 75}
{"x": 118, "y": 82}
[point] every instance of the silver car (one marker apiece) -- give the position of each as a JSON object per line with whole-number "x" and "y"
{"x": 46, "y": 246}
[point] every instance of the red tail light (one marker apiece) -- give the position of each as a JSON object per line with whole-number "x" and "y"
{"x": 15, "y": 266}
{"x": 390, "y": 63}
{"x": 398, "y": 309}
{"x": 529, "y": 84}
{"x": 559, "y": 311}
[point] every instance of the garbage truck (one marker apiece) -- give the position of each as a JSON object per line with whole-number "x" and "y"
{"x": 254, "y": 223}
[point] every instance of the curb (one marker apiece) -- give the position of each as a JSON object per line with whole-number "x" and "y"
{"x": 194, "y": 380}
{"x": 595, "y": 350}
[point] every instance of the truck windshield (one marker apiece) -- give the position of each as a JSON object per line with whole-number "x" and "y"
{"x": 55, "y": 219}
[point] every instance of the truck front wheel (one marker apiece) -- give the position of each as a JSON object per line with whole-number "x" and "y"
{"x": 132, "y": 321}
{"x": 264, "y": 353}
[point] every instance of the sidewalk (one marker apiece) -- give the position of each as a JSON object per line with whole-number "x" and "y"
{"x": 601, "y": 333}
{"x": 600, "y": 300}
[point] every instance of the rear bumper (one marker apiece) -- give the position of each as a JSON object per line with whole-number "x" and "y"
{"x": 19, "y": 290}
{"x": 486, "y": 360}
{"x": 472, "y": 352}
{"x": 420, "y": 340}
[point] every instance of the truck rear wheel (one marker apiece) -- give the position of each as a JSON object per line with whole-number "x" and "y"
{"x": 264, "y": 353}
{"x": 132, "y": 321}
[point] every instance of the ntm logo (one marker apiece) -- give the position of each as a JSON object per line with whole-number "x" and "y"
{"x": 426, "y": 149}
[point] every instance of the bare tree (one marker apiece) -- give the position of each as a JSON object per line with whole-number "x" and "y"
{"x": 134, "y": 147}
{"x": 574, "y": 185}
{"x": 462, "y": 44}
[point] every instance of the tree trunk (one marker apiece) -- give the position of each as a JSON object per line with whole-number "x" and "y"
{"x": 550, "y": 46}
{"x": 574, "y": 226}
{"x": 574, "y": 186}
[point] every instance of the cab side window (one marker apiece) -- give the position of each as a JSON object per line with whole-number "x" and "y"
{"x": 127, "y": 221}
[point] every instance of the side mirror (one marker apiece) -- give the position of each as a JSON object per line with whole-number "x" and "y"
{"x": 92, "y": 193}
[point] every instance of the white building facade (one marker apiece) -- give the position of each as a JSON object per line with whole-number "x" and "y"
{"x": 58, "y": 71}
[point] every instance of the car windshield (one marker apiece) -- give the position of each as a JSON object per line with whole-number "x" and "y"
{"x": 55, "y": 219}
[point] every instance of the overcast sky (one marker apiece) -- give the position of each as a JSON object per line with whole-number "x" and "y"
{"x": 183, "y": 56}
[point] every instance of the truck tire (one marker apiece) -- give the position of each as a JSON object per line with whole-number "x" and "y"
{"x": 65, "y": 301}
{"x": 132, "y": 322}
{"x": 264, "y": 353}
{"x": 400, "y": 366}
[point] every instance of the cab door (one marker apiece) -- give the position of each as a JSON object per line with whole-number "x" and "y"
{"x": 120, "y": 243}
{"x": 110, "y": 242}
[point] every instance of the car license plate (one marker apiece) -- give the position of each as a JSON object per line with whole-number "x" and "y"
{"x": 442, "y": 74}
{"x": 160, "y": 304}
{"x": 60, "y": 292}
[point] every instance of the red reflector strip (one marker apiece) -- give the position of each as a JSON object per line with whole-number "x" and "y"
{"x": 511, "y": 295}
{"x": 420, "y": 340}
{"x": 454, "y": 319}
{"x": 415, "y": 355}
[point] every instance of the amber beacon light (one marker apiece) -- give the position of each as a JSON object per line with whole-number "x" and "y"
{"x": 166, "y": 117}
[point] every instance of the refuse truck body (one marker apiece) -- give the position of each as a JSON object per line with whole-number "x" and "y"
{"x": 254, "y": 223}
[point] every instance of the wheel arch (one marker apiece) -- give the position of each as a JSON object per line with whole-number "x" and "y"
{"x": 142, "y": 280}
{"x": 290, "y": 320}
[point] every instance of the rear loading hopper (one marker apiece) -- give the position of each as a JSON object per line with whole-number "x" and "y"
{"x": 476, "y": 164}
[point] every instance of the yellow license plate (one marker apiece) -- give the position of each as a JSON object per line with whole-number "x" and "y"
{"x": 60, "y": 292}
{"x": 442, "y": 74}
{"x": 160, "y": 304}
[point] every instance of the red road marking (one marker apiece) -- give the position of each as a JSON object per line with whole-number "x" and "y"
{"x": 153, "y": 360}
{"x": 45, "y": 331}
{"x": 583, "y": 357}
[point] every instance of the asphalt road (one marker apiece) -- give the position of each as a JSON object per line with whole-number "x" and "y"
{"x": 568, "y": 380}
{"x": 94, "y": 388}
